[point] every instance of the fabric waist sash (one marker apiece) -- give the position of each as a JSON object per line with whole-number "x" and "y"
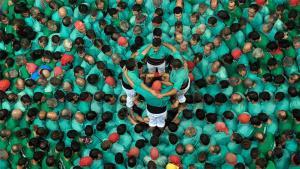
{"x": 156, "y": 110}
{"x": 155, "y": 61}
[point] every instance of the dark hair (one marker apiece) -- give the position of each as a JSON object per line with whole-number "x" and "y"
{"x": 254, "y": 35}
{"x": 157, "y": 20}
{"x": 140, "y": 143}
{"x": 95, "y": 153}
{"x": 68, "y": 152}
{"x": 212, "y": 20}
{"x": 130, "y": 64}
{"x": 154, "y": 141}
{"x": 83, "y": 8}
{"x": 173, "y": 138}
{"x": 156, "y": 42}
{"x": 177, "y": 10}
{"x": 132, "y": 161}
{"x": 265, "y": 96}
{"x": 221, "y": 98}
{"x": 204, "y": 139}
{"x": 157, "y": 32}
{"x": 119, "y": 159}
{"x": 50, "y": 161}
{"x": 121, "y": 129}
{"x": 208, "y": 99}
{"x": 172, "y": 127}
{"x": 253, "y": 96}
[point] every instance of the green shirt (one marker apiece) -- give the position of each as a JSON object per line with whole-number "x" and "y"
{"x": 178, "y": 78}
{"x": 153, "y": 100}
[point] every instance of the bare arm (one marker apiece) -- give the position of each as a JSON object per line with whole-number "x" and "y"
{"x": 170, "y": 93}
{"x": 146, "y": 50}
{"x": 171, "y": 47}
{"x": 167, "y": 83}
{"x": 130, "y": 82}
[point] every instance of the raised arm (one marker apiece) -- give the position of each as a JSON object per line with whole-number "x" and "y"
{"x": 171, "y": 47}
{"x": 130, "y": 82}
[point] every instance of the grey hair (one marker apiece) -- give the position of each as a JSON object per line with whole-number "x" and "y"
{"x": 258, "y": 53}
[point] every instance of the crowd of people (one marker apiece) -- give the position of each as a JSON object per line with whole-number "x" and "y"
{"x": 150, "y": 84}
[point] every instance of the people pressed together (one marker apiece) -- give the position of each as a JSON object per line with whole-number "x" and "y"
{"x": 175, "y": 84}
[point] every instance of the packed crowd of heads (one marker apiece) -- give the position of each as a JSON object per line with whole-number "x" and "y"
{"x": 62, "y": 104}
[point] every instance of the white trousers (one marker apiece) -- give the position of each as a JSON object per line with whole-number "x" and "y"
{"x": 130, "y": 96}
{"x": 157, "y": 119}
{"x": 160, "y": 68}
{"x": 180, "y": 94}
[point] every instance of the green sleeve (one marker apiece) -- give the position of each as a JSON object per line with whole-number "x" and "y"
{"x": 142, "y": 91}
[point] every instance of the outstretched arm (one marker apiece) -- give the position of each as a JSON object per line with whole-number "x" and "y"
{"x": 171, "y": 47}
{"x": 130, "y": 82}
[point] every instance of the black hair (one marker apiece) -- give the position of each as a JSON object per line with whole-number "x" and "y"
{"x": 83, "y": 8}
{"x": 90, "y": 115}
{"x": 50, "y": 161}
{"x": 157, "y": 32}
{"x": 239, "y": 166}
{"x": 75, "y": 146}
{"x": 211, "y": 117}
{"x": 173, "y": 138}
{"x": 292, "y": 91}
{"x": 159, "y": 11}
{"x": 254, "y": 66}
{"x": 204, "y": 139}
{"x": 263, "y": 117}
{"x": 253, "y": 96}
{"x": 279, "y": 79}
{"x": 68, "y": 152}
{"x": 101, "y": 126}
{"x": 228, "y": 115}
{"x": 222, "y": 14}
{"x": 157, "y": 20}
{"x": 271, "y": 46}
{"x": 279, "y": 96}
{"x": 95, "y": 153}
{"x": 88, "y": 130}
{"x": 112, "y": 11}
{"x": 200, "y": 83}
{"x": 212, "y": 20}
{"x": 176, "y": 64}
{"x": 156, "y": 42}
{"x": 254, "y": 35}
{"x": 121, "y": 129}
{"x": 141, "y": 143}
{"x": 235, "y": 27}
{"x": 187, "y": 114}
{"x": 172, "y": 127}
{"x": 221, "y": 98}
{"x": 154, "y": 141}
{"x": 254, "y": 120}
{"x": 132, "y": 161}
{"x": 208, "y": 99}
{"x": 38, "y": 155}
{"x": 177, "y": 10}
{"x": 265, "y": 96}
{"x": 119, "y": 159}
{"x": 138, "y": 128}
{"x": 156, "y": 132}
{"x": 107, "y": 116}
{"x": 130, "y": 64}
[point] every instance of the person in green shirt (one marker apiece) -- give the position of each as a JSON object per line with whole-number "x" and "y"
{"x": 179, "y": 80}
{"x": 156, "y": 107}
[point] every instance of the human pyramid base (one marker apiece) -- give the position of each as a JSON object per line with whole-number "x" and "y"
{"x": 150, "y": 84}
